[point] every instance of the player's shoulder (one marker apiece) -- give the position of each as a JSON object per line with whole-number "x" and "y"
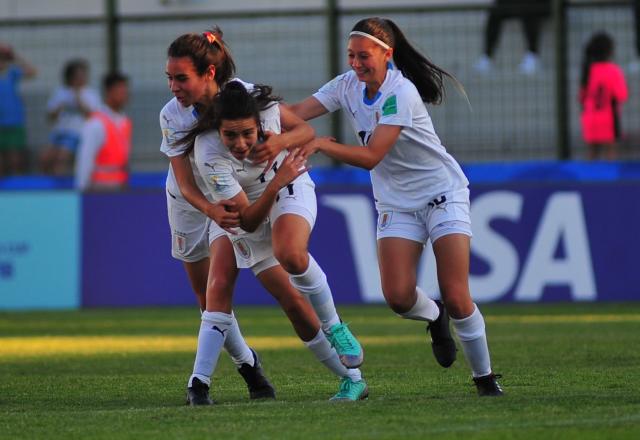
{"x": 210, "y": 140}
{"x": 176, "y": 116}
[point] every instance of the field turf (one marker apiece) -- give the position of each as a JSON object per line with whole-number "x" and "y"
{"x": 570, "y": 371}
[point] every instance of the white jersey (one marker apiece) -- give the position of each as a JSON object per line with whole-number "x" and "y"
{"x": 175, "y": 122}
{"x": 227, "y": 176}
{"x": 418, "y": 168}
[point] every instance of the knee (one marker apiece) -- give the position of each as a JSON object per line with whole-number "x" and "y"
{"x": 221, "y": 283}
{"x": 400, "y": 300}
{"x": 293, "y": 261}
{"x": 457, "y": 300}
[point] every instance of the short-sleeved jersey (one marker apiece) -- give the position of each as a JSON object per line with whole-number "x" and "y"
{"x": 418, "y": 168}
{"x": 601, "y": 101}
{"x": 227, "y": 176}
{"x": 175, "y": 122}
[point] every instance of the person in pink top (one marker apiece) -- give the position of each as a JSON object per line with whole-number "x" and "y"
{"x": 603, "y": 89}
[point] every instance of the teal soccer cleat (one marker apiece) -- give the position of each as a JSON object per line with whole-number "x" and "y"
{"x": 346, "y": 345}
{"x": 351, "y": 391}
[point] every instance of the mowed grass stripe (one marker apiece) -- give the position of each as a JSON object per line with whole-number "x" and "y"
{"x": 88, "y": 345}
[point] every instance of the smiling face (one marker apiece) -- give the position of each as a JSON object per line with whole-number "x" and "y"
{"x": 368, "y": 59}
{"x": 186, "y": 84}
{"x": 239, "y": 136}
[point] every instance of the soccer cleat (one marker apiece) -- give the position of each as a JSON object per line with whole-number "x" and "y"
{"x": 442, "y": 344}
{"x": 257, "y": 383}
{"x": 346, "y": 345}
{"x": 488, "y": 385}
{"x": 351, "y": 391}
{"x": 198, "y": 393}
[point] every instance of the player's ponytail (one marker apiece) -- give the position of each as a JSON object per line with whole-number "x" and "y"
{"x": 204, "y": 50}
{"x": 426, "y": 76}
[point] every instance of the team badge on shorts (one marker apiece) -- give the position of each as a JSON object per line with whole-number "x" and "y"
{"x": 242, "y": 247}
{"x": 180, "y": 243}
{"x": 384, "y": 220}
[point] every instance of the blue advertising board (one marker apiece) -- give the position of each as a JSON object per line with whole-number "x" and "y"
{"x": 39, "y": 250}
{"x": 562, "y": 242}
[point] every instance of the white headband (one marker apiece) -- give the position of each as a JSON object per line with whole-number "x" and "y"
{"x": 370, "y": 37}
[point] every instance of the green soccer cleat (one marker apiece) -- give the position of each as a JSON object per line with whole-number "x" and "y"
{"x": 346, "y": 345}
{"x": 351, "y": 391}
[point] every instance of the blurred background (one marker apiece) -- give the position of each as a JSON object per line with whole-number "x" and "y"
{"x": 518, "y": 131}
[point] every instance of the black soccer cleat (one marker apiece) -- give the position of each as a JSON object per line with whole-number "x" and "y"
{"x": 488, "y": 385}
{"x": 257, "y": 383}
{"x": 198, "y": 393}
{"x": 442, "y": 343}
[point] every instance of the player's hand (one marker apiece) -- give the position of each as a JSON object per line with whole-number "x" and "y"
{"x": 315, "y": 145}
{"x": 224, "y": 214}
{"x": 267, "y": 150}
{"x": 291, "y": 167}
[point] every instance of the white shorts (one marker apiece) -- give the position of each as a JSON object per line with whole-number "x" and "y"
{"x": 446, "y": 214}
{"x": 254, "y": 250}
{"x": 191, "y": 230}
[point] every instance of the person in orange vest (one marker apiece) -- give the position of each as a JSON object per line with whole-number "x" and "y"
{"x": 103, "y": 156}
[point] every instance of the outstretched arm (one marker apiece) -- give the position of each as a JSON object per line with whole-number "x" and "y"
{"x": 382, "y": 140}
{"x": 309, "y": 108}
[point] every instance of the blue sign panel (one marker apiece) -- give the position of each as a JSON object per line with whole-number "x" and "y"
{"x": 39, "y": 250}
{"x": 532, "y": 242}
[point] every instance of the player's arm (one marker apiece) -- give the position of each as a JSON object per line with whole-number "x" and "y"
{"x": 309, "y": 108}
{"x": 219, "y": 212}
{"x": 253, "y": 214}
{"x": 381, "y": 141}
{"x": 295, "y": 132}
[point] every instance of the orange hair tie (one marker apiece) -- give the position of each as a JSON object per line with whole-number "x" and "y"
{"x": 210, "y": 37}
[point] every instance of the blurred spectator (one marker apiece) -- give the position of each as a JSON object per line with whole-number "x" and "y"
{"x": 13, "y": 136}
{"x": 68, "y": 108}
{"x": 103, "y": 155}
{"x": 530, "y": 13}
{"x": 603, "y": 89}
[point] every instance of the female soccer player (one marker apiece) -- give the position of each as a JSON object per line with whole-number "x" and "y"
{"x": 196, "y": 65}
{"x": 286, "y": 194}
{"x": 419, "y": 188}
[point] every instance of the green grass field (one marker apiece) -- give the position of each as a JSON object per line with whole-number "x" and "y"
{"x": 569, "y": 371}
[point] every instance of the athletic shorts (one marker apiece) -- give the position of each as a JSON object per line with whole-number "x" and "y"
{"x": 191, "y": 230}
{"x": 254, "y": 250}
{"x": 13, "y": 138}
{"x": 446, "y": 214}
{"x": 65, "y": 139}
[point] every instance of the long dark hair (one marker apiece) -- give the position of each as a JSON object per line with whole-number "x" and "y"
{"x": 598, "y": 49}
{"x": 426, "y": 76}
{"x": 204, "y": 50}
{"x": 232, "y": 102}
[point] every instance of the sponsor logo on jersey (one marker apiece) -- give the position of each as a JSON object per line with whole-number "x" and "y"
{"x": 390, "y": 106}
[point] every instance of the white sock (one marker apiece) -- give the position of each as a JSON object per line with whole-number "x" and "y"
{"x": 236, "y": 346}
{"x": 326, "y": 354}
{"x": 425, "y": 309}
{"x": 213, "y": 330}
{"x": 312, "y": 283}
{"x": 471, "y": 332}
